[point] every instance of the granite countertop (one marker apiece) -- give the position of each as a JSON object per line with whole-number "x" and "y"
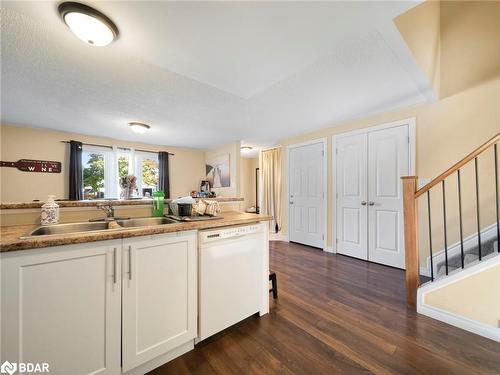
{"x": 10, "y": 235}
{"x": 93, "y": 203}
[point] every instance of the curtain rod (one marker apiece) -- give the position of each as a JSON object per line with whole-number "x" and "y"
{"x": 121, "y": 148}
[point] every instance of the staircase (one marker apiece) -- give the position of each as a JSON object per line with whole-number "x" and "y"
{"x": 471, "y": 257}
{"x": 463, "y": 190}
{"x": 457, "y": 257}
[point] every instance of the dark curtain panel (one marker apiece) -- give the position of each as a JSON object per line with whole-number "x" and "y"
{"x": 75, "y": 171}
{"x": 164, "y": 179}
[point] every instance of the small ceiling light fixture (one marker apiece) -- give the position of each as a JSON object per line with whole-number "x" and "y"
{"x": 246, "y": 148}
{"x": 88, "y": 24}
{"x": 139, "y": 127}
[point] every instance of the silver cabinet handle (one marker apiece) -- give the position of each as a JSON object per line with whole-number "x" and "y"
{"x": 363, "y": 203}
{"x": 290, "y": 202}
{"x": 130, "y": 262}
{"x": 115, "y": 264}
{"x": 371, "y": 203}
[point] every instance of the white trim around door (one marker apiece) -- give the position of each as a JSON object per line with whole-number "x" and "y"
{"x": 323, "y": 141}
{"x": 410, "y": 122}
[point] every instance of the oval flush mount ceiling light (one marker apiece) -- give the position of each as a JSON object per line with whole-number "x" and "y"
{"x": 139, "y": 127}
{"x": 88, "y": 24}
{"x": 246, "y": 148}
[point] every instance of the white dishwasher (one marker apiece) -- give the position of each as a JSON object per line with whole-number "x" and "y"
{"x": 234, "y": 274}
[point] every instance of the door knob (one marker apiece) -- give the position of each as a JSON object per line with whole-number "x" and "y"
{"x": 290, "y": 202}
{"x": 363, "y": 203}
{"x": 371, "y": 203}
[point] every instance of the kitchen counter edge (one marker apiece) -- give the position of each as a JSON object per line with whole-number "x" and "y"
{"x": 10, "y": 235}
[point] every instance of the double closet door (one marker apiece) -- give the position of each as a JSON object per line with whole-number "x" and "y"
{"x": 369, "y": 201}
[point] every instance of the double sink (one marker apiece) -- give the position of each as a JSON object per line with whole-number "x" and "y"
{"x": 98, "y": 226}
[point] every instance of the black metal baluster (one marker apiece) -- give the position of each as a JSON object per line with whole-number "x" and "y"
{"x": 460, "y": 218}
{"x": 477, "y": 209}
{"x": 430, "y": 233}
{"x": 496, "y": 195}
{"x": 445, "y": 235}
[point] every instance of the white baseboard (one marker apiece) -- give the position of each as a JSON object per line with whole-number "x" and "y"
{"x": 278, "y": 237}
{"x": 329, "y": 249}
{"x": 456, "y": 320}
{"x": 470, "y": 325}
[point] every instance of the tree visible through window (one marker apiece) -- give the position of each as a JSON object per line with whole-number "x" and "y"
{"x": 150, "y": 173}
{"x": 93, "y": 175}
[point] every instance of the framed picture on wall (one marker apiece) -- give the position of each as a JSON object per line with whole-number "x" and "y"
{"x": 218, "y": 172}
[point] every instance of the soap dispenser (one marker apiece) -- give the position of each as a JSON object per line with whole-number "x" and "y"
{"x": 50, "y": 211}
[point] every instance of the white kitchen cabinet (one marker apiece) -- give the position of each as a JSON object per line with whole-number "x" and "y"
{"x": 159, "y": 310}
{"x": 61, "y": 305}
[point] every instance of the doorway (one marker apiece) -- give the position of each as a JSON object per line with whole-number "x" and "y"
{"x": 368, "y": 214}
{"x": 307, "y": 193}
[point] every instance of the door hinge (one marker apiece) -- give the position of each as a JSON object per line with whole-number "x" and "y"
{"x": 323, "y": 237}
{"x": 322, "y": 153}
{"x": 336, "y": 240}
{"x": 337, "y": 151}
{"x": 408, "y": 138}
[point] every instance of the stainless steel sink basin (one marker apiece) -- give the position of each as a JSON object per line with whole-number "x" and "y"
{"x": 68, "y": 228}
{"x": 145, "y": 222}
{"x": 98, "y": 226}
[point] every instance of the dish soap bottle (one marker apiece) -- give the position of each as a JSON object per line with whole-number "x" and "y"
{"x": 50, "y": 211}
{"x": 158, "y": 201}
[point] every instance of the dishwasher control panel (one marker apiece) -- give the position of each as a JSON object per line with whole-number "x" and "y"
{"x": 230, "y": 232}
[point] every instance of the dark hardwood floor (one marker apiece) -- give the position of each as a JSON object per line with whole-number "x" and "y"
{"x": 336, "y": 314}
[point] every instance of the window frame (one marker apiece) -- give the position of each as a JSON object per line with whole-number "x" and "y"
{"x": 112, "y": 188}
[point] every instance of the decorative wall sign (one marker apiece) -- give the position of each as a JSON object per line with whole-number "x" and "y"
{"x": 218, "y": 172}
{"x": 26, "y": 165}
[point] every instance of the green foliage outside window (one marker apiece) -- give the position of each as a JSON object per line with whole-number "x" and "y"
{"x": 93, "y": 176}
{"x": 149, "y": 173}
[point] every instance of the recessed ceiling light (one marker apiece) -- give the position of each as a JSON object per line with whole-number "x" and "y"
{"x": 139, "y": 127}
{"x": 246, "y": 148}
{"x": 88, "y": 24}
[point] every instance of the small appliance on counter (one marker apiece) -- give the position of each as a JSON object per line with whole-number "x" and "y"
{"x": 181, "y": 206}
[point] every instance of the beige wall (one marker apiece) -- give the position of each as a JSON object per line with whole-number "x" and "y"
{"x": 233, "y": 191}
{"x": 445, "y": 132}
{"x": 454, "y": 42}
{"x": 464, "y": 296}
{"x": 187, "y": 166}
{"x": 420, "y": 28}
{"x": 470, "y": 44}
{"x": 247, "y": 181}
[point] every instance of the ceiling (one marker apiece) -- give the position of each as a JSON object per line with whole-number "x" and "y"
{"x": 207, "y": 73}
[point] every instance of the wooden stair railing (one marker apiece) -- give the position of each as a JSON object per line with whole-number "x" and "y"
{"x": 410, "y": 214}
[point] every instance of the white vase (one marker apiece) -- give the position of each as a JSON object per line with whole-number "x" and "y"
{"x": 50, "y": 212}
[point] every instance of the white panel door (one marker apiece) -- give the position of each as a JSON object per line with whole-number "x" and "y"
{"x": 306, "y": 194}
{"x": 351, "y": 176}
{"x": 388, "y": 160}
{"x": 159, "y": 295}
{"x": 62, "y": 306}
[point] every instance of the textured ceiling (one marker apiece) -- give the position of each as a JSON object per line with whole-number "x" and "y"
{"x": 207, "y": 73}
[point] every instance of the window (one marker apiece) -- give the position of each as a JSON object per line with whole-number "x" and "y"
{"x": 147, "y": 176}
{"x": 104, "y": 167}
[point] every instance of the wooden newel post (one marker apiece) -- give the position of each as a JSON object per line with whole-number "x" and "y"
{"x": 411, "y": 239}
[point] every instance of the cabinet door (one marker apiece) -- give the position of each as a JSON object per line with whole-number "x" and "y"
{"x": 159, "y": 295}
{"x": 61, "y": 305}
